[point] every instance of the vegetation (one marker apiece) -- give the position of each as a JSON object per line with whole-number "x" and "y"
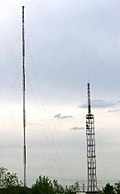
{"x": 16, "y": 190}
{"x": 44, "y": 185}
{"x": 111, "y": 189}
{"x": 117, "y": 188}
{"x": 10, "y": 184}
{"x": 8, "y": 179}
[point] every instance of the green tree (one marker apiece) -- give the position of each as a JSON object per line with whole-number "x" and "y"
{"x": 8, "y": 179}
{"x": 109, "y": 189}
{"x": 117, "y": 188}
{"x": 43, "y": 186}
{"x": 57, "y": 188}
{"x": 16, "y": 190}
{"x": 72, "y": 189}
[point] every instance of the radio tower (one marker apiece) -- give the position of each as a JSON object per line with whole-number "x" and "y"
{"x": 24, "y": 110}
{"x": 91, "y": 156}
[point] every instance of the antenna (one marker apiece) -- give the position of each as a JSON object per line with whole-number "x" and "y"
{"x": 24, "y": 110}
{"x": 89, "y": 102}
{"x": 91, "y": 155}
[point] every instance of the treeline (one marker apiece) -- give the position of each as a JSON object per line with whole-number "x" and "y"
{"x": 16, "y": 190}
{"x": 9, "y": 184}
{"x": 111, "y": 189}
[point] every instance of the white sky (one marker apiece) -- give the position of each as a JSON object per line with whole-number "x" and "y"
{"x": 67, "y": 43}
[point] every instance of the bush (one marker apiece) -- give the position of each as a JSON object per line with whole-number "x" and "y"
{"x": 16, "y": 190}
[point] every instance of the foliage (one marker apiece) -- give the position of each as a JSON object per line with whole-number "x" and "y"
{"x": 72, "y": 189}
{"x": 57, "y": 188}
{"x": 42, "y": 185}
{"x": 9, "y": 184}
{"x": 109, "y": 189}
{"x": 8, "y": 179}
{"x": 45, "y": 186}
{"x": 16, "y": 190}
{"x": 117, "y": 188}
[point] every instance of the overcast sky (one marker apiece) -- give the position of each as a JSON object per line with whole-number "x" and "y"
{"x": 68, "y": 42}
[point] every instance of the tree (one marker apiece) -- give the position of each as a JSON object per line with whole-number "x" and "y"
{"x": 57, "y": 188}
{"x": 8, "y": 179}
{"x": 117, "y": 188}
{"x": 16, "y": 190}
{"x": 43, "y": 186}
{"x": 72, "y": 189}
{"x": 109, "y": 189}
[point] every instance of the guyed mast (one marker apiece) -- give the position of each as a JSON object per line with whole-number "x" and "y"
{"x": 24, "y": 90}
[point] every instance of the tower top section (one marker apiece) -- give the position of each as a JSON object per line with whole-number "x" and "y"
{"x": 89, "y": 100}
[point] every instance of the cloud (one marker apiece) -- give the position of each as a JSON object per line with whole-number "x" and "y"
{"x": 77, "y": 128}
{"x": 117, "y": 110}
{"x": 100, "y": 104}
{"x": 60, "y": 116}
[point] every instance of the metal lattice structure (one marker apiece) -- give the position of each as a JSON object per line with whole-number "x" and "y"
{"x": 91, "y": 155}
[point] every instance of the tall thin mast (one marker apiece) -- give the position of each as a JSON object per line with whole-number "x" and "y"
{"x": 24, "y": 110}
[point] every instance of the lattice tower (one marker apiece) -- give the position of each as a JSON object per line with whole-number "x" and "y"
{"x": 91, "y": 155}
